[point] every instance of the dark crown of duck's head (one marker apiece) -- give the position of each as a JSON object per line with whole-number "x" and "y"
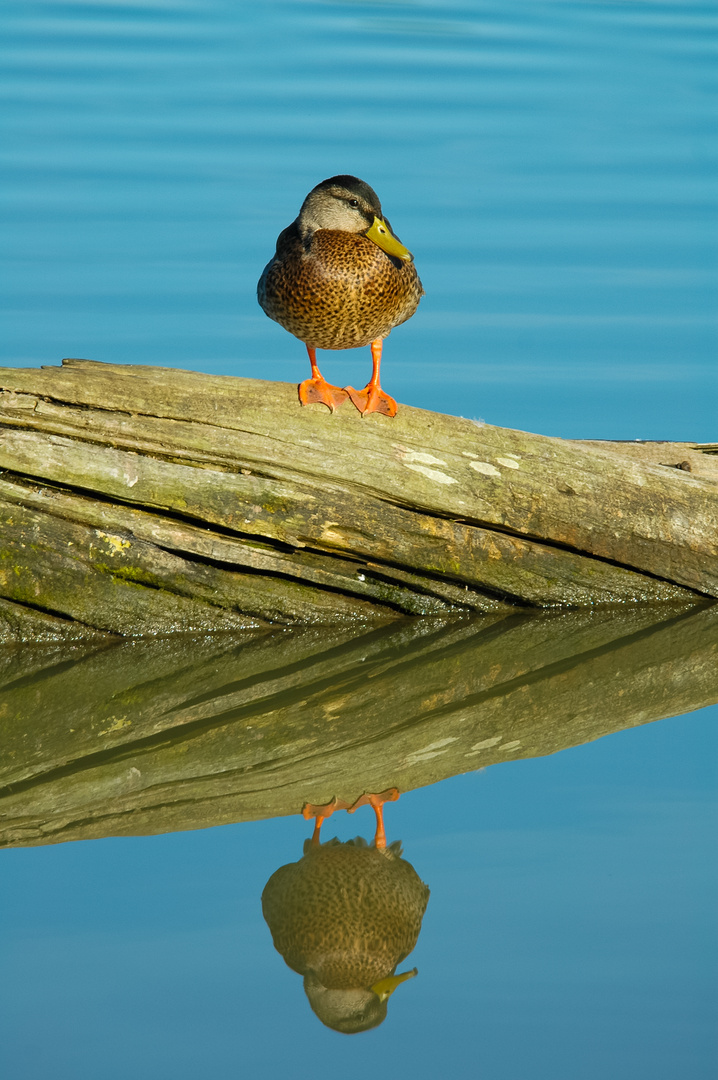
{"x": 345, "y": 203}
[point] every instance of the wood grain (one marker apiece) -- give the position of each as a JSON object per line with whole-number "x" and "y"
{"x": 142, "y": 500}
{"x": 135, "y": 737}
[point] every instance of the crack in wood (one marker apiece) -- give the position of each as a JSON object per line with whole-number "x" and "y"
{"x": 170, "y": 465}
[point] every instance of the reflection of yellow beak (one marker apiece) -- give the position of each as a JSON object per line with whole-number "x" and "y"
{"x": 384, "y": 238}
{"x": 385, "y": 987}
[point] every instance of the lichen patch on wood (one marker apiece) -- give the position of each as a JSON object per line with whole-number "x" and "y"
{"x": 135, "y": 499}
{"x": 184, "y": 733}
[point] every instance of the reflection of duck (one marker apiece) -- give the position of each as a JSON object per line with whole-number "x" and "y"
{"x": 340, "y": 279}
{"x": 344, "y": 917}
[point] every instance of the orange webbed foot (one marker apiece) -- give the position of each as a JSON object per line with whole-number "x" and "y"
{"x": 376, "y": 801}
{"x": 372, "y": 399}
{"x": 318, "y": 390}
{"x": 320, "y": 812}
{"x": 325, "y": 810}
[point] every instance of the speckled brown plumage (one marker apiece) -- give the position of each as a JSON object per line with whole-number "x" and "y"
{"x": 341, "y": 292}
{"x": 345, "y": 912}
{"x": 340, "y": 279}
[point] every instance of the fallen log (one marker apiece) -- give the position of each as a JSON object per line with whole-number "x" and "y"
{"x": 138, "y": 500}
{"x": 127, "y": 738}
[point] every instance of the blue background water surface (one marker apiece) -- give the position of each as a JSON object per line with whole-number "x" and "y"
{"x": 570, "y": 933}
{"x": 552, "y": 166}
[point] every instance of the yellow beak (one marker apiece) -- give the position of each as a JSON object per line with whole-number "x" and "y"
{"x": 385, "y": 987}
{"x": 384, "y": 238}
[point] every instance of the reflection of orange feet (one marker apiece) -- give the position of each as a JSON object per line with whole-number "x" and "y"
{"x": 319, "y": 391}
{"x": 321, "y": 812}
{"x": 372, "y": 399}
{"x": 377, "y": 802}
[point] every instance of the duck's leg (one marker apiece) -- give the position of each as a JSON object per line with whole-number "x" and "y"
{"x": 377, "y": 803}
{"x": 372, "y": 398}
{"x": 321, "y": 812}
{"x": 317, "y": 389}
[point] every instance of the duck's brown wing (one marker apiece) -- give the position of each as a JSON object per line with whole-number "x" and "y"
{"x": 289, "y": 243}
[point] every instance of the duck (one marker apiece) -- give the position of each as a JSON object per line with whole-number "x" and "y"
{"x": 344, "y": 917}
{"x": 341, "y": 279}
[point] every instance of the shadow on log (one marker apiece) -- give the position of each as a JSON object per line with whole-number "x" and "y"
{"x": 183, "y": 733}
{"x": 138, "y": 500}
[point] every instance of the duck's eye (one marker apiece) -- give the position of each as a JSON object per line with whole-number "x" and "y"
{"x": 353, "y": 202}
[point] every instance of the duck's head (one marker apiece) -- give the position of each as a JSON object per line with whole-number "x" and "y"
{"x": 347, "y": 204}
{"x": 353, "y": 1010}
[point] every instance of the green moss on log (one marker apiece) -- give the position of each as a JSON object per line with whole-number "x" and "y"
{"x": 128, "y": 489}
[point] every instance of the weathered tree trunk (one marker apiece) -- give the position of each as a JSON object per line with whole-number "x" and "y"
{"x": 141, "y": 500}
{"x": 182, "y": 733}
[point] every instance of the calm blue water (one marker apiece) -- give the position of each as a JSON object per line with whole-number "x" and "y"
{"x": 570, "y": 933}
{"x": 551, "y": 165}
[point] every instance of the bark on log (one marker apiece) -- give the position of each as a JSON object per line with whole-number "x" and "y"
{"x": 139, "y": 500}
{"x": 151, "y": 736}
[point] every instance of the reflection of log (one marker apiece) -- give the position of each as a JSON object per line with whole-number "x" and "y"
{"x": 138, "y": 500}
{"x": 148, "y": 737}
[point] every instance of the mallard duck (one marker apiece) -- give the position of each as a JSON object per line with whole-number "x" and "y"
{"x": 341, "y": 279}
{"x": 344, "y": 917}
